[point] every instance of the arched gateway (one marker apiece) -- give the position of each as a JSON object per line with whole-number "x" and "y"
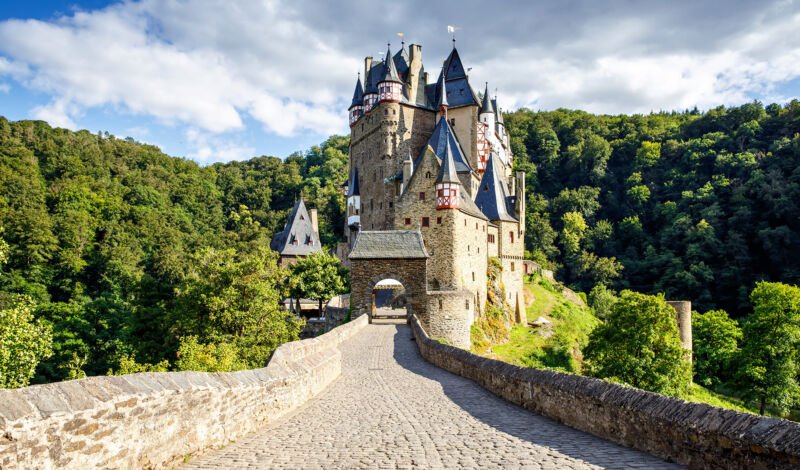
{"x": 388, "y": 254}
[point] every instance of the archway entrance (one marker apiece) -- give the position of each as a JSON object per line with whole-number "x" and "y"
{"x": 389, "y": 300}
{"x": 394, "y": 256}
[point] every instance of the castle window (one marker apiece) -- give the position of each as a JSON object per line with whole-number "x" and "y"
{"x": 385, "y": 112}
{"x": 408, "y": 221}
{"x": 426, "y": 222}
{"x": 452, "y": 122}
{"x": 491, "y": 238}
{"x": 302, "y": 218}
{"x": 394, "y": 112}
{"x": 356, "y": 211}
{"x": 372, "y": 208}
{"x": 438, "y": 220}
{"x": 512, "y": 266}
{"x": 512, "y": 236}
{"x": 428, "y": 175}
{"x": 476, "y": 225}
{"x": 466, "y": 304}
{"x": 485, "y": 187}
{"x": 422, "y": 196}
{"x": 441, "y": 306}
{"x": 465, "y": 222}
{"x": 380, "y": 205}
{"x": 391, "y": 204}
{"x": 473, "y": 278}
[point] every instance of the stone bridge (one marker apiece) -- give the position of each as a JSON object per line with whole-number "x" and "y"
{"x": 382, "y": 401}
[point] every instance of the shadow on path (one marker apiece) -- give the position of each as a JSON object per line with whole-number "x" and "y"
{"x": 517, "y": 421}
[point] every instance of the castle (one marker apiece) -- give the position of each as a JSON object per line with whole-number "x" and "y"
{"x": 431, "y": 160}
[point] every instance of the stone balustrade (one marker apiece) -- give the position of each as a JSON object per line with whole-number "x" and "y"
{"x": 697, "y": 435}
{"x": 155, "y": 420}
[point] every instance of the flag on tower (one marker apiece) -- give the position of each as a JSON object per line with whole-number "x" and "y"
{"x": 451, "y": 29}
{"x": 400, "y": 34}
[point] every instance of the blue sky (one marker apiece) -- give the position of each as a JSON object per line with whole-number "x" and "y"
{"x": 215, "y": 80}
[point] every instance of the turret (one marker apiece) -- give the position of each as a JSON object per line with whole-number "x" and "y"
{"x": 448, "y": 186}
{"x": 487, "y": 110}
{"x": 443, "y": 97}
{"x": 408, "y": 169}
{"x": 390, "y": 88}
{"x": 357, "y": 105}
{"x": 353, "y": 203}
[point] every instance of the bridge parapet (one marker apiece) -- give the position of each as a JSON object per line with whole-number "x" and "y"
{"x": 153, "y": 420}
{"x": 697, "y": 435}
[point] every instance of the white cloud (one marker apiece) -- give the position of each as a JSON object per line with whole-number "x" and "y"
{"x": 57, "y": 113}
{"x": 5, "y": 88}
{"x": 207, "y": 148}
{"x": 214, "y": 65}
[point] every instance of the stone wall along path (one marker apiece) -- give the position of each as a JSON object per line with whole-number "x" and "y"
{"x": 390, "y": 409}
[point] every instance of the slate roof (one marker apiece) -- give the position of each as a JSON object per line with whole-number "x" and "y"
{"x": 373, "y": 77}
{"x": 402, "y": 61}
{"x": 492, "y": 198}
{"x": 498, "y": 115}
{"x": 389, "y": 244}
{"x": 354, "y": 190}
{"x": 441, "y": 136}
{"x": 458, "y": 91}
{"x": 447, "y": 171}
{"x": 298, "y": 229}
{"x": 442, "y": 96}
{"x": 487, "y": 106}
{"x": 358, "y": 94}
{"x": 390, "y": 70}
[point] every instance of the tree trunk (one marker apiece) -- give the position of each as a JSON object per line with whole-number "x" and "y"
{"x": 761, "y": 409}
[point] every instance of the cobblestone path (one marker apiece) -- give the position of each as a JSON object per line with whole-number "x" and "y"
{"x": 391, "y": 409}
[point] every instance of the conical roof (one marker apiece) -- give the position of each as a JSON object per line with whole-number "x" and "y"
{"x": 447, "y": 172}
{"x": 358, "y": 94}
{"x": 390, "y": 74}
{"x": 487, "y": 102}
{"x": 442, "y": 93}
{"x": 492, "y": 199}
{"x": 354, "y": 190}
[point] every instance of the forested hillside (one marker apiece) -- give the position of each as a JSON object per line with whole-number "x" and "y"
{"x": 122, "y": 248}
{"x": 698, "y": 206}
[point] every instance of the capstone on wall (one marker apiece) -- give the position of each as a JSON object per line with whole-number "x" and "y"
{"x": 153, "y": 420}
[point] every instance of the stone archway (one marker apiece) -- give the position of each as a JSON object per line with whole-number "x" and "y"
{"x": 388, "y": 254}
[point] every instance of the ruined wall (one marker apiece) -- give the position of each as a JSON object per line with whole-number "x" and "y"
{"x": 697, "y": 435}
{"x": 683, "y": 310}
{"x": 153, "y": 420}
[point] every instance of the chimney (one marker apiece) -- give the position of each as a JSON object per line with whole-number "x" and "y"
{"x": 314, "y": 223}
{"x": 367, "y": 66}
{"x": 412, "y": 78}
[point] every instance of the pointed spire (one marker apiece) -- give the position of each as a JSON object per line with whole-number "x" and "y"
{"x": 391, "y": 69}
{"x": 487, "y": 102}
{"x": 358, "y": 94}
{"x": 492, "y": 199}
{"x": 447, "y": 172}
{"x": 443, "y": 96}
{"x": 354, "y": 190}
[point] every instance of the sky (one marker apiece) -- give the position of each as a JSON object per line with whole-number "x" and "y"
{"x": 217, "y": 80}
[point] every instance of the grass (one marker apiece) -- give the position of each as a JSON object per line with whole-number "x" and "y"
{"x": 571, "y": 327}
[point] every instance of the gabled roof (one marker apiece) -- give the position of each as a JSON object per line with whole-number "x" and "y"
{"x": 390, "y": 71}
{"x": 354, "y": 190}
{"x": 492, "y": 198}
{"x": 296, "y": 234}
{"x": 441, "y": 136}
{"x": 453, "y": 68}
{"x": 447, "y": 172}
{"x": 358, "y": 94}
{"x": 389, "y": 244}
{"x": 487, "y": 106}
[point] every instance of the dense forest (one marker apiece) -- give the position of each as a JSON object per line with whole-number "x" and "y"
{"x": 121, "y": 249}
{"x": 124, "y": 253}
{"x": 699, "y": 206}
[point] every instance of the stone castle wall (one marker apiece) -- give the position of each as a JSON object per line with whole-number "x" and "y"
{"x": 153, "y": 420}
{"x": 364, "y": 274}
{"x": 449, "y": 316}
{"x": 697, "y": 435}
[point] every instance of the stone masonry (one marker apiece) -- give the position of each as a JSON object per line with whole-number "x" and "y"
{"x": 393, "y": 410}
{"x": 694, "y": 434}
{"x": 154, "y": 420}
{"x": 366, "y": 273}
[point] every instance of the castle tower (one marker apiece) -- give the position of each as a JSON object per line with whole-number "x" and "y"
{"x": 357, "y": 105}
{"x": 447, "y": 183}
{"x": 370, "y": 86}
{"x": 353, "y": 208}
{"x": 390, "y": 88}
{"x": 443, "y": 98}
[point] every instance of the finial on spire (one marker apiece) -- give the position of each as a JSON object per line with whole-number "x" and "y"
{"x": 454, "y": 41}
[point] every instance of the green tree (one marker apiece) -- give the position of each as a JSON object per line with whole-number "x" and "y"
{"x": 639, "y": 345}
{"x": 601, "y": 299}
{"x": 24, "y": 341}
{"x": 318, "y": 276}
{"x": 232, "y": 297}
{"x": 769, "y": 356}
{"x": 715, "y": 343}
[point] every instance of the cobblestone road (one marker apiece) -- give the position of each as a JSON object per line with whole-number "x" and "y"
{"x": 391, "y": 409}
